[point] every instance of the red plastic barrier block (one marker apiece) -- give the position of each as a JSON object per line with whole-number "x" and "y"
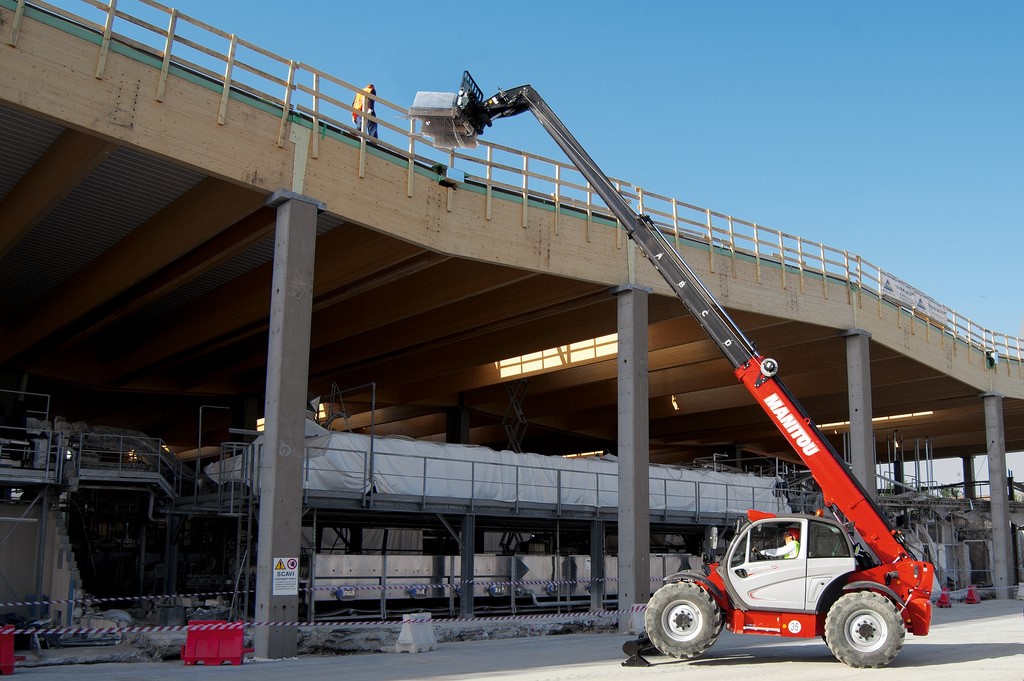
{"x": 214, "y": 642}
{"x": 7, "y": 656}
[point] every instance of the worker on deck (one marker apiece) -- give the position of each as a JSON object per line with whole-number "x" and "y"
{"x": 365, "y": 105}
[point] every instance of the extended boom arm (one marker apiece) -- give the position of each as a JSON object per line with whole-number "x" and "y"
{"x": 841, "y": 490}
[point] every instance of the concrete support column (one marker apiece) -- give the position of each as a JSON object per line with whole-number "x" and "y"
{"x": 280, "y": 520}
{"x": 468, "y": 566}
{"x": 897, "y": 467}
{"x": 947, "y": 537}
{"x": 42, "y": 531}
{"x": 171, "y": 553}
{"x": 858, "y": 385}
{"x": 1002, "y": 539}
{"x": 597, "y": 584}
{"x": 633, "y": 452}
{"x": 457, "y": 424}
{"x": 970, "y": 491}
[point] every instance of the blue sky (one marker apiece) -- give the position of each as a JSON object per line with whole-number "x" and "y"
{"x": 889, "y": 129}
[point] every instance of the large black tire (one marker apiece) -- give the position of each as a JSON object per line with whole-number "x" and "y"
{"x": 682, "y": 620}
{"x": 863, "y": 629}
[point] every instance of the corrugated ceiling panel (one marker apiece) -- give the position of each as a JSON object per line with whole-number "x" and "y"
{"x": 23, "y": 140}
{"x": 259, "y": 254}
{"x": 122, "y": 193}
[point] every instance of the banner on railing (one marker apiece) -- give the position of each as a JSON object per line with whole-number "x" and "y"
{"x": 906, "y": 295}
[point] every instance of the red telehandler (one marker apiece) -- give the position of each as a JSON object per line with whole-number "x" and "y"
{"x": 851, "y": 578}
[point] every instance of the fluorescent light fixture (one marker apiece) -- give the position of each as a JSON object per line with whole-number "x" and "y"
{"x": 559, "y": 357}
{"x": 879, "y": 419}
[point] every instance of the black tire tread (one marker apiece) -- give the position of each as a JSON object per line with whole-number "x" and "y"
{"x": 669, "y": 594}
{"x": 835, "y": 630}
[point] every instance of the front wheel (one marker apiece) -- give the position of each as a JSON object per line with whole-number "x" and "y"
{"x": 863, "y": 629}
{"x": 682, "y": 620}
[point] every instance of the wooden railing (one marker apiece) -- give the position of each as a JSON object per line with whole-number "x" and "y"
{"x": 178, "y": 43}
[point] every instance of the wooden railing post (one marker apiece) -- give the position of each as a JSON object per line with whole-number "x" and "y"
{"x": 108, "y": 29}
{"x": 286, "y": 107}
{"x": 19, "y": 12}
{"x": 226, "y": 93}
{"x": 165, "y": 68}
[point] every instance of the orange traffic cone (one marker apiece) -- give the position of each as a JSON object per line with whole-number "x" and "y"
{"x": 944, "y": 601}
{"x": 972, "y": 595}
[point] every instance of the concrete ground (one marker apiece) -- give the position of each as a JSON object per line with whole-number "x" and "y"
{"x": 967, "y": 643}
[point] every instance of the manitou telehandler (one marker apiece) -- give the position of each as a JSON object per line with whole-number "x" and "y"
{"x": 851, "y": 580}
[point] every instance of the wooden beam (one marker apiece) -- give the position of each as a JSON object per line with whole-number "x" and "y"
{"x": 469, "y": 331}
{"x": 198, "y": 215}
{"x": 240, "y": 309}
{"x": 239, "y": 237}
{"x": 67, "y": 162}
{"x": 445, "y": 330}
{"x": 390, "y": 301}
{"x": 377, "y": 301}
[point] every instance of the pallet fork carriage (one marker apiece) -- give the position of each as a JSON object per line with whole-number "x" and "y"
{"x": 862, "y": 596}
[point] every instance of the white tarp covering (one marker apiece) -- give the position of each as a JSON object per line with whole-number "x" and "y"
{"x": 341, "y": 462}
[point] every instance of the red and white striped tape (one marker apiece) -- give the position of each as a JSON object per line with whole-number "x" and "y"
{"x": 84, "y": 631}
{"x": 89, "y": 600}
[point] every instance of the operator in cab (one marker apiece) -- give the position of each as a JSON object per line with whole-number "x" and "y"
{"x": 791, "y": 549}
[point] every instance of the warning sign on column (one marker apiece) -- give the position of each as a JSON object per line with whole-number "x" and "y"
{"x": 286, "y": 576}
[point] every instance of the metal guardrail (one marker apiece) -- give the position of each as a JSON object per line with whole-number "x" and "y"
{"x": 126, "y": 457}
{"x": 478, "y": 484}
{"x": 298, "y": 92}
{"x": 33, "y": 451}
{"x": 33, "y": 457}
{"x": 41, "y": 456}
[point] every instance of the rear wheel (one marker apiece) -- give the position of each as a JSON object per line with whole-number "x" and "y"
{"x": 682, "y": 620}
{"x": 863, "y": 629}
